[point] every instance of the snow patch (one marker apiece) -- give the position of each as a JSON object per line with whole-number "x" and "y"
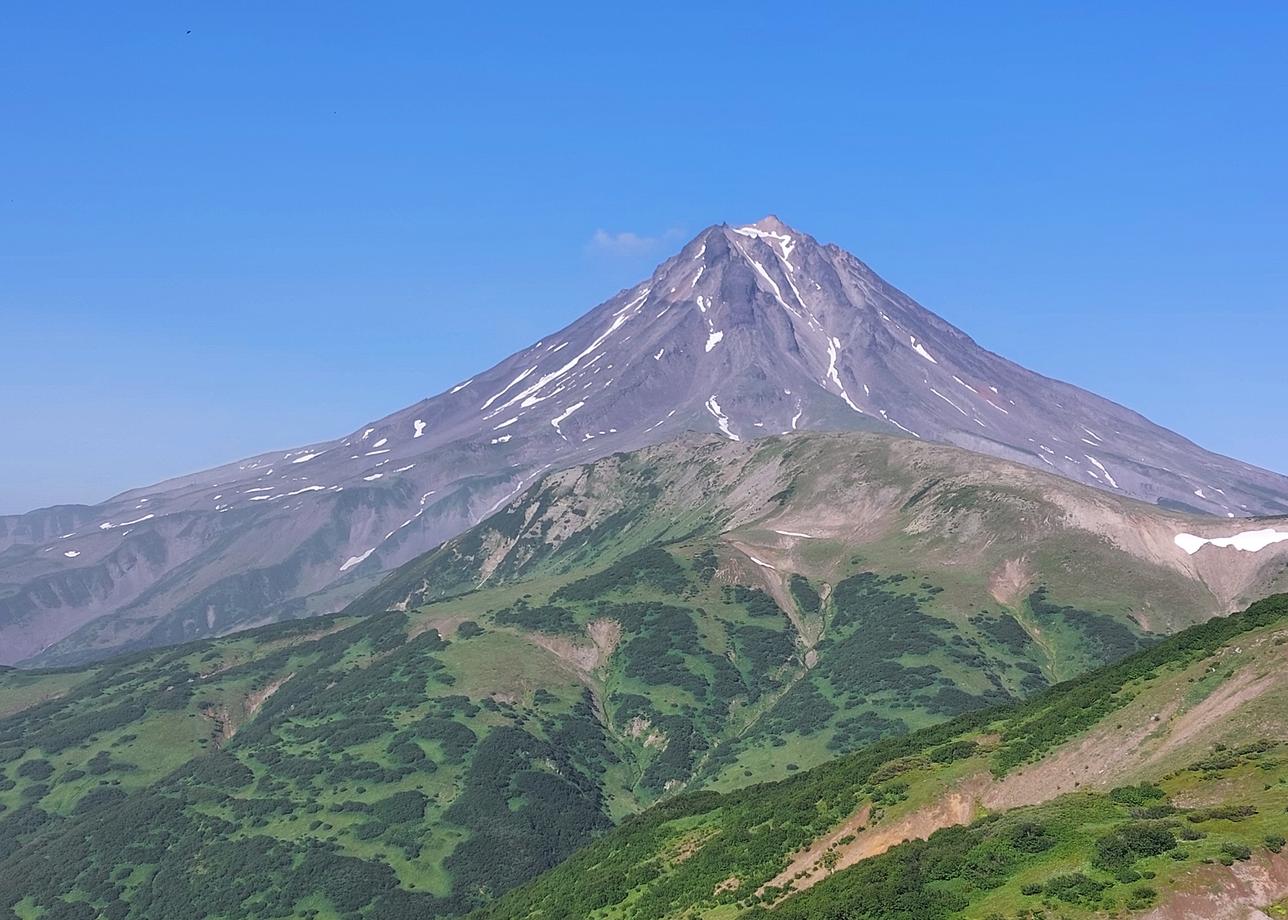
{"x": 562, "y": 417}
{"x": 916, "y": 346}
{"x": 949, "y": 401}
{"x": 72, "y": 553}
{"x": 714, "y": 408}
{"x": 419, "y": 427}
{"x": 778, "y": 294}
{"x": 784, "y": 240}
{"x": 530, "y": 392}
{"x": 1249, "y": 541}
{"x": 108, "y": 525}
{"x": 305, "y": 458}
{"x": 713, "y": 340}
{"x": 356, "y": 560}
{"x": 1100, "y": 466}
{"x": 887, "y": 417}
{"x": 508, "y": 386}
{"x": 833, "y": 347}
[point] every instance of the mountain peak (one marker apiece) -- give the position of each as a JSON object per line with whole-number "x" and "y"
{"x": 771, "y": 223}
{"x": 748, "y": 331}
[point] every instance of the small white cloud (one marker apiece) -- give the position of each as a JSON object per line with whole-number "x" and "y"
{"x": 627, "y": 243}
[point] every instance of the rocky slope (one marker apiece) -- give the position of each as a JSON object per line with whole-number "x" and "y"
{"x": 746, "y": 331}
{"x": 989, "y": 531}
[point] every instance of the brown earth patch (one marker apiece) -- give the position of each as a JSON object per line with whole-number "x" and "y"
{"x": 772, "y": 577}
{"x": 1011, "y": 580}
{"x": 255, "y": 700}
{"x": 225, "y": 723}
{"x": 1238, "y": 892}
{"x": 1239, "y": 690}
{"x": 1099, "y": 759}
{"x": 809, "y": 861}
{"x": 585, "y": 658}
{"x": 606, "y": 634}
{"x": 31, "y": 704}
{"x": 732, "y": 883}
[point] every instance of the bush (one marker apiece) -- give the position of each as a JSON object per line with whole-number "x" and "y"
{"x": 1222, "y": 813}
{"x": 1143, "y": 794}
{"x": 1236, "y": 851}
{"x": 36, "y": 769}
{"x": 1121, "y": 848}
{"x": 1075, "y": 888}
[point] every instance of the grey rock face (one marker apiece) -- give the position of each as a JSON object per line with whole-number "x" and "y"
{"x": 746, "y": 331}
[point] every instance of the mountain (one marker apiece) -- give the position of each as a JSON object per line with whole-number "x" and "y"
{"x": 368, "y": 767}
{"x": 1154, "y": 788}
{"x": 987, "y": 531}
{"x": 747, "y": 331}
{"x": 700, "y": 615}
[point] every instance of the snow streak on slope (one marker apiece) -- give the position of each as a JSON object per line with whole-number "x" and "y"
{"x": 749, "y": 330}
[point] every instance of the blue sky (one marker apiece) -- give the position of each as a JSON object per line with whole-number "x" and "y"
{"x": 231, "y": 227}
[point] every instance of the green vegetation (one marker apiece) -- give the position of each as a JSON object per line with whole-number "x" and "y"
{"x": 1077, "y": 854}
{"x": 363, "y": 766}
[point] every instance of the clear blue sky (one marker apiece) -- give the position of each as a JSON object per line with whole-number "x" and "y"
{"x": 231, "y": 227}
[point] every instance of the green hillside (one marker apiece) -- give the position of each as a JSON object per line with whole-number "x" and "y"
{"x": 378, "y": 745}
{"x": 703, "y": 617}
{"x": 1149, "y": 782}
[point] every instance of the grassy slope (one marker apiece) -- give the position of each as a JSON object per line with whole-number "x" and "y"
{"x": 298, "y": 738}
{"x": 608, "y": 673}
{"x": 1061, "y": 839}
